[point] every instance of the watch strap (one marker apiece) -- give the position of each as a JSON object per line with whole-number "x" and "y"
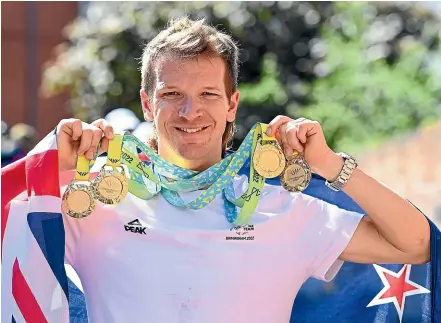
{"x": 346, "y": 172}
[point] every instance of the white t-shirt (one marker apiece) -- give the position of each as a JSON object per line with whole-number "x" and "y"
{"x": 148, "y": 261}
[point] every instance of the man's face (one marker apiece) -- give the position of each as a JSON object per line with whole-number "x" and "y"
{"x": 190, "y": 106}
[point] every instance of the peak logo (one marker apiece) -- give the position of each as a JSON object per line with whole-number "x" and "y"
{"x": 135, "y": 226}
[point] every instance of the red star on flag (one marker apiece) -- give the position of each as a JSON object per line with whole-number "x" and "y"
{"x": 397, "y": 286}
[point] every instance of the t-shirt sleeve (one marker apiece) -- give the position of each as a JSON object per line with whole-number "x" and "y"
{"x": 325, "y": 232}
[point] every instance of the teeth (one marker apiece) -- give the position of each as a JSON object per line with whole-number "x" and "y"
{"x": 190, "y": 130}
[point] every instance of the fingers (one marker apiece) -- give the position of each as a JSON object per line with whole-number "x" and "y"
{"x": 306, "y": 129}
{"x": 274, "y": 125}
{"x": 105, "y": 127}
{"x": 93, "y": 136}
{"x": 104, "y": 145}
{"x": 108, "y": 134}
{"x": 86, "y": 141}
{"x": 97, "y": 134}
{"x": 283, "y": 140}
{"x": 77, "y": 129}
{"x": 292, "y": 131}
{"x": 301, "y": 133}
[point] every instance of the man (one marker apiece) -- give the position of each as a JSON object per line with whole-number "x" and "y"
{"x": 183, "y": 269}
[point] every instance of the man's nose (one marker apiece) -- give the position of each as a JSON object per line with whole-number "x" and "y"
{"x": 190, "y": 109}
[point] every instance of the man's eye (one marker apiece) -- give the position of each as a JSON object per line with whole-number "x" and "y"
{"x": 172, "y": 93}
{"x": 209, "y": 93}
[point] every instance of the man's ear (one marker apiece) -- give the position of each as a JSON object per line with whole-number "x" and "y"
{"x": 146, "y": 108}
{"x": 234, "y": 104}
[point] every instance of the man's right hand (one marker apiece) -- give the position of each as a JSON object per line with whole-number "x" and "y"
{"x": 76, "y": 138}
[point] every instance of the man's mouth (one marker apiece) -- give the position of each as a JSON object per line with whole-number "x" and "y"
{"x": 191, "y": 130}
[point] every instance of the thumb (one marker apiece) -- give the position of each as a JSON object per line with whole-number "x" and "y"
{"x": 269, "y": 131}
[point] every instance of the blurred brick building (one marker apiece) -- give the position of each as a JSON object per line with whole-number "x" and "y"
{"x": 30, "y": 31}
{"x": 411, "y": 165}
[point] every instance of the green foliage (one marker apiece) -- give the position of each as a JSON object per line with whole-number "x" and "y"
{"x": 269, "y": 90}
{"x": 363, "y": 98}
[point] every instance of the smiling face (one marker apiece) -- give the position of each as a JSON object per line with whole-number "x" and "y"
{"x": 190, "y": 107}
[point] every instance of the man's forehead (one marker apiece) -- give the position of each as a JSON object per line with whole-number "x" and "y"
{"x": 169, "y": 68}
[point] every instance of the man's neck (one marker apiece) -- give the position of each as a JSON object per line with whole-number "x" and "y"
{"x": 193, "y": 164}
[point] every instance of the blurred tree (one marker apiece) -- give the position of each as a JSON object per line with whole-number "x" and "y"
{"x": 380, "y": 75}
{"x": 362, "y": 69}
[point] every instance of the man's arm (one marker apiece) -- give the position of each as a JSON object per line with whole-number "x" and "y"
{"x": 393, "y": 231}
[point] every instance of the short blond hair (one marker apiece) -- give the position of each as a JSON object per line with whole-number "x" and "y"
{"x": 187, "y": 39}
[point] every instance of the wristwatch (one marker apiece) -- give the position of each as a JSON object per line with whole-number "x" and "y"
{"x": 349, "y": 165}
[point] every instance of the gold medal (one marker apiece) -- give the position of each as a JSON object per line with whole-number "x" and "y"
{"x": 78, "y": 201}
{"x": 110, "y": 186}
{"x": 268, "y": 159}
{"x": 296, "y": 175}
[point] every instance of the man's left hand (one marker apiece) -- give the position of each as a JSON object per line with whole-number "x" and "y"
{"x": 307, "y": 137}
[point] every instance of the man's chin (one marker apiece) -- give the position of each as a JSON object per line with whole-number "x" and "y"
{"x": 193, "y": 152}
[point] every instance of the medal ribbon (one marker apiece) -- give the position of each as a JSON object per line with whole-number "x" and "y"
{"x": 114, "y": 151}
{"x": 145, "y": 181}
{"x": 82, "y": 172}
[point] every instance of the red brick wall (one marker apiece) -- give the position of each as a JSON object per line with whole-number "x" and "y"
{"x": 411, "y": 165}
{"x": 50, "y": 19}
